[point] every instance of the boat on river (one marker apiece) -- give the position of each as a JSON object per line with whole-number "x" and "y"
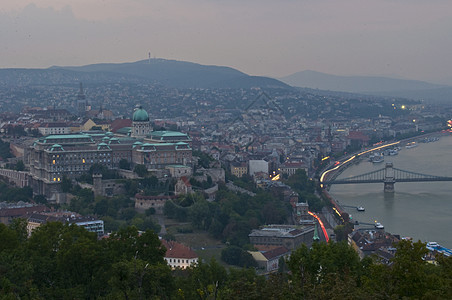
{"x": 435, "y": 247}
{"x": 377, "y": 159}
{"x": 360, "y": 208}
{"x": 393, "y": 152}
{"x": 379, "y": 226}
{"x": 411, "y": 145}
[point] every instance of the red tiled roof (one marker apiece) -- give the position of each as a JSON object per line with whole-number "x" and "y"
{"x": 120, "y": 123}
{"x": 186, "y": 181}
{"x": 177, "y": 250}
{"x": 20, "y": 211}
{"x": 275, "y": 252}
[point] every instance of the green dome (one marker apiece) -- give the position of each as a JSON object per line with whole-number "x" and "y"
{"x": 140, "y": 115}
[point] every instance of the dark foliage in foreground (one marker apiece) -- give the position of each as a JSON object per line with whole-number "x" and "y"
{"x": 66, "y": 262}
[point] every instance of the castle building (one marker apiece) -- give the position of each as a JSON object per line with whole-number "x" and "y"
{"x": 70, "y": 155}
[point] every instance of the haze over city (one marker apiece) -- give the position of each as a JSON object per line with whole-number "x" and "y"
{"x": 404, "y": 39}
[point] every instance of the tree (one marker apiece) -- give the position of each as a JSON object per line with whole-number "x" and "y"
{"x": 150, "y": 211}
{"x": 8, "y": 238}
{"x": 203, "y": 281}
{"x": 20, "y": 166}
{"x": 245, "y": 284}
{"x": 66, "y": 256}
{"x": 236, "y": 256}
{"x": 124, "y": 164}
{"x": 66, "y": 184}
{"x": 314, "y": 269}
{"x": 199, "y": 214}
{"x": 342, "y": 231}
{"x": 5, "y": 151}
{"x": 204, "y": 159}
{"x": 137, "y": 279}
{"x": 40, "y": 199}
{"x": 408, "y": 274}
{"x": 127, "y": 243}
{"x": 128, "y": 213}
{"x": 140, "y": 170}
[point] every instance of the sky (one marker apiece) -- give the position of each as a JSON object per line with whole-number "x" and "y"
{"x": 409, "y": 39}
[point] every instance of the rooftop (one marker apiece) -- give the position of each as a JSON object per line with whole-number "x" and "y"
{"x": 168, "y": 134}
{"x": 177, "y": 250}
{"x": 64, "y": 136}
{"x": 281, "y": 231}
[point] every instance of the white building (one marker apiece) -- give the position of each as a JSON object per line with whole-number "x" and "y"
{"x": 54, "y": 128}
{"x": 178, "y": 255}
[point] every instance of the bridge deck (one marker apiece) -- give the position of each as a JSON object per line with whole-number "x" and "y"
{"x": 346, "y": 181}
{"x": 389, "y": 175}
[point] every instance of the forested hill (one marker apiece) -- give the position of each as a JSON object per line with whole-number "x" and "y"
{"x": 170, "y": 73}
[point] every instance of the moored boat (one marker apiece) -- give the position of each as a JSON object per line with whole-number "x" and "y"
{"x": 393, "y": 152}
{"x": 379, "y": 226}
{"x": 434, "y": 246}
{"x": 411, "y": 145}
{"x": 378, "y": 159}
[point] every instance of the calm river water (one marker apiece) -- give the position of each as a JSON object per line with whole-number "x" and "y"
{"x": 422, "y": 211}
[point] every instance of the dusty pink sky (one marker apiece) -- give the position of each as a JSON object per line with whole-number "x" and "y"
{"x": 400, "y": 38}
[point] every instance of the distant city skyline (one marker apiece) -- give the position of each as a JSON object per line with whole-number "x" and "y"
{"x": 403, "y": 39}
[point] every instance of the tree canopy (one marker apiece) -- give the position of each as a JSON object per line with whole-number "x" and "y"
{"x": 61, "y": 261}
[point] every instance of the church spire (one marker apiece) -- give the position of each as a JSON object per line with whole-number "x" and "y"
{"x": 316, "y": 237}
{"x": 81, "y": 93}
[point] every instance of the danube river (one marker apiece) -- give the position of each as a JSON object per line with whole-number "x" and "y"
{"x": 422, "y": 211}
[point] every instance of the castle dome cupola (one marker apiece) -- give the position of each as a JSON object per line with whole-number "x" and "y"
{"x": 140, "y": 115}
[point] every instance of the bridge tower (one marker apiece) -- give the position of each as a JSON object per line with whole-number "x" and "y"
{"x": 389, "y": 178}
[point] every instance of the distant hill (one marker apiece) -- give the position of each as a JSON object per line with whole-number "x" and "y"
{"x": 355, "y": 84}
{"x": 166, "y": 72}
{"x": 373, "y": 85}
{"x": 171, "y": 73}
{"x": 180, "y": 74}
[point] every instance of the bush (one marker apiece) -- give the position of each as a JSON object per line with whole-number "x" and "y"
{"x": 141, "y": 170}
{"x": 150, "y": 211}
{"x": 124, "y": 164}
{"x": 236, "y": 256}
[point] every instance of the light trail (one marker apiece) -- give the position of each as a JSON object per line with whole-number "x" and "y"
{"x": 335, "y": 168}
{"x": 276, "y": 178}
{"x": 322, "y": 177}
{"x": 321, "y": 225}
{"x": 377, "y": 148}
